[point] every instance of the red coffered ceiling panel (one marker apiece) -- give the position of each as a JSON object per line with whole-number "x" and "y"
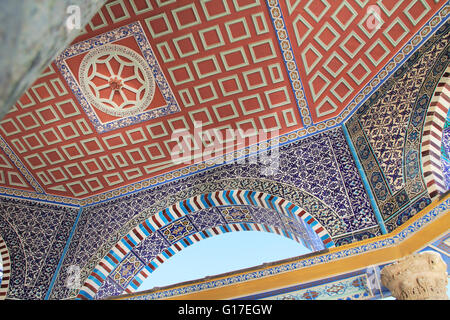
{"x": 150, "y": 81}
{"x": 342, "y": 45}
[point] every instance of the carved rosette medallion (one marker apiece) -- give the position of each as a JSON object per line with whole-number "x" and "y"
{"x": 116, "y": 80}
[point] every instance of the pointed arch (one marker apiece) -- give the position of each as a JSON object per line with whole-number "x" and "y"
{"x": 121, "y": 250}
{"x": 432, "y": 137}
{"x": 6, "y": 263}
{"x": 109, "y": 286}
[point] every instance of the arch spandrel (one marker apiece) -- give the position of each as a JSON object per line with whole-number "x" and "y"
{"x": 331, "y": 221}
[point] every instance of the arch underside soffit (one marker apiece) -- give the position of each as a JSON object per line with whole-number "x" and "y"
{"x": 445, "y": 153}
{"x": 436, "y": 140}
{"x": 5, "y": 270}
{"x": 162, "y": 244}
{"x": 274, "y": 215}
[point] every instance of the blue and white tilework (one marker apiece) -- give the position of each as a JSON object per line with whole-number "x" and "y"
{"x": 318, "y": 174}
{"x": 36, "y": 234}
{"x": 386, "y": 131}
{"x": 445, "y": 152}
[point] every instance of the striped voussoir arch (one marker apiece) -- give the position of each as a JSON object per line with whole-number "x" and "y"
{"x": 196, "y": 237}
{"x": 6, "y": 262}
{"x": 185, "y": 207}
{"x": 432, "y": 137}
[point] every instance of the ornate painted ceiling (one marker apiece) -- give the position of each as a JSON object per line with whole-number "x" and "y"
{"x": 100, "y": 120}
{"x": 128, "y": 146}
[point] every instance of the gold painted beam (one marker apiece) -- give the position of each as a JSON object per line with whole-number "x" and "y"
{"x": 412, "y": 243}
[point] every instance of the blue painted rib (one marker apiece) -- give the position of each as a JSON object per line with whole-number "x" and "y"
{"x": 203, "y": 201}
{"x": 66, "y": 248}
{"x": 366, "y": 184}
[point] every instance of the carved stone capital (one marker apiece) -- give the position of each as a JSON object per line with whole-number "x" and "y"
{"x": 421, "y": 276}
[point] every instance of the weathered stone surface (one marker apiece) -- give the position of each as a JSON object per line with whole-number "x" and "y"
{"x": 32, "y": 33}
{"x": 421, "y": 276}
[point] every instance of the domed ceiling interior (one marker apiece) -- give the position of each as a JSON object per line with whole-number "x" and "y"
{"x": 287, "y": 66}
{"x": 165, "y": 122}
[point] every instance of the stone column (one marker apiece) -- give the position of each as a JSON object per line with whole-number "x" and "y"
{"x": 32, "y": 33}
{"x": 421, "y": 276}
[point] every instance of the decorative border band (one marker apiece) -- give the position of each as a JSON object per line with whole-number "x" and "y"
{"x": 19, "y": 165}
{"x": 289, "y": 60}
